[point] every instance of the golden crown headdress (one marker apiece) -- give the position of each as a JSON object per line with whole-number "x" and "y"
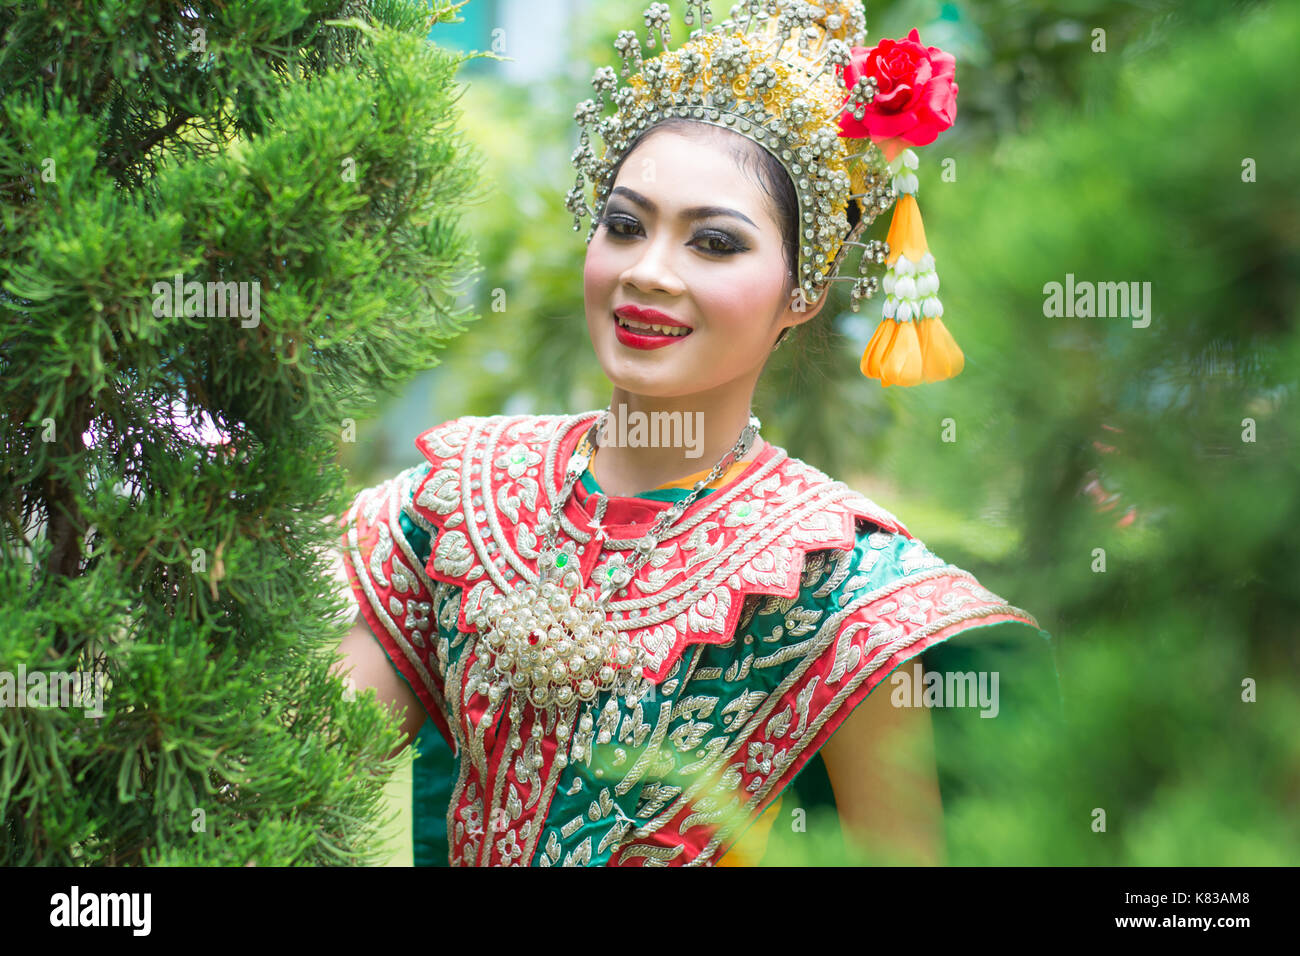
{"x": 795, "y": 78}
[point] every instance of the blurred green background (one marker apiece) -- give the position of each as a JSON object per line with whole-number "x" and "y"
{"x": 1137, "y": 489}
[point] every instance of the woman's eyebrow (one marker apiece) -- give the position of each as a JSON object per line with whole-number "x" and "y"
{"x": 695, "y": 212}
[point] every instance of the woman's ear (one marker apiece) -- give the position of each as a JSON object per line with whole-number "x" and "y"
{"x": 799, "y": 310}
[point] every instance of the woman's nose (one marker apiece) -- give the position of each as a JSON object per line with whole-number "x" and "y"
{"x": 653, "y": 270}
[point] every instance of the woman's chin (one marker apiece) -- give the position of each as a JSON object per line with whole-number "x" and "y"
{"x": 650, "y": 383}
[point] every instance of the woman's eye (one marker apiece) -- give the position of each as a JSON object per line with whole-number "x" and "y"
{"x": 721, "y": 243}
{"x": 725, "y": 244}
{"x": 614, "y": 223}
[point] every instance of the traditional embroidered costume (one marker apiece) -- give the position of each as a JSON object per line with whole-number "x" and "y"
{"x": 771, "y": 610}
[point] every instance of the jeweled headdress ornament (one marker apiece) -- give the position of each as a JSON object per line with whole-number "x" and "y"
{"x": 795, "y": 78}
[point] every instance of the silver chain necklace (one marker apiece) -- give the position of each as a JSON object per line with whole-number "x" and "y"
{"x": 552, "y": 641}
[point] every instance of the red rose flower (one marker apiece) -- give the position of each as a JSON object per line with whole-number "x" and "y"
{"x": 916, "y": 94}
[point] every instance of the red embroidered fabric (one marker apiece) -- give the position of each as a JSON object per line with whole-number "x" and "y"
{"x": 756, "y": 544}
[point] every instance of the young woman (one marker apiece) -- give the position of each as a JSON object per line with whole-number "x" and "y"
{"x": 615, "y": 656}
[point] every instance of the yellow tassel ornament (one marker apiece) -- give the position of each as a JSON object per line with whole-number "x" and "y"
{"x": 911, "y": 345}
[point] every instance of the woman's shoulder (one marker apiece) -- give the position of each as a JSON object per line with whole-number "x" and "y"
{"x": 887, "y": 590}
{"x": 800, "y": 480}
{"x": 892, "y": 573}
{"x": 882, "y": 549}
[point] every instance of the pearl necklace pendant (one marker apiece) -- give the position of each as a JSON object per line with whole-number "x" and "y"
{"x": 553, "y": 643}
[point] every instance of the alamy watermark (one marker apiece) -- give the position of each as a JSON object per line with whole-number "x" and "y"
{"x": 626, "y": 429}
{"x": 75, "y": 908}
{"x": 1101, "y": 300}
{"x": 946, "y": 689}
{"x": 53, "y": 689}
{"x": 208, "y": 300}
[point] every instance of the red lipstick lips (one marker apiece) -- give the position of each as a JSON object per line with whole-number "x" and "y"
{"x": 647, "y": 338}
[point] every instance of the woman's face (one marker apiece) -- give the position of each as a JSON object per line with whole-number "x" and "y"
{"x": 687, "y": 234}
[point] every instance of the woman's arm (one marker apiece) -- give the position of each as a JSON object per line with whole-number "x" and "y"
{"x": 882, "y": 769}
{"x": 370, "y": 667}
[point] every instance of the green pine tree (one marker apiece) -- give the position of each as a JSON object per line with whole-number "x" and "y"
{"x": 1142, "y": 468}
{"x": 168, "y": 461}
